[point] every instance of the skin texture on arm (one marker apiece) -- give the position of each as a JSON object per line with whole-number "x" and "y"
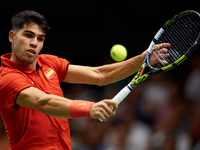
{"x": 59, "y": 106}
{"x": 107, "y": 74}
{"x": 49, "y": 104}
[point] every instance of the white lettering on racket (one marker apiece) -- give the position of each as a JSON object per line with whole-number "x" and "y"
{"x": 159, "y": 33}
{"x": 151, "y": 46}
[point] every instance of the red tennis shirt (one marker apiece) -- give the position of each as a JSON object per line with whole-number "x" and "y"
{"x": 30, "y": 129}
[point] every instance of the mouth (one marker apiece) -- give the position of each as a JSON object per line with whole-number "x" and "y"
{"x": 31, "y": 52}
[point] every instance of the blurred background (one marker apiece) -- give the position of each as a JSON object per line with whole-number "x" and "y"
{"x": 162, "y": 113}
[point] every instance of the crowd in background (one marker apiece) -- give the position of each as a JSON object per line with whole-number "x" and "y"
{"x": 161, "y": 113}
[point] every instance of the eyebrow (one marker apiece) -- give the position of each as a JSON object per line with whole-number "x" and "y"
{"x": 34, "y": 33}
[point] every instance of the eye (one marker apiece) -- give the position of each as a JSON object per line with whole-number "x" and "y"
{"x": 28, "y": 35}
{"x": 41, "y": 39}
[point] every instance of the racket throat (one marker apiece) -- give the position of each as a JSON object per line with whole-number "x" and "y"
{"x": 129, "y": 87}
{"x": 138, "y": 78}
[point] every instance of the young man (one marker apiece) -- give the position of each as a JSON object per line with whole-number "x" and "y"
{"x": 32, "y": 105}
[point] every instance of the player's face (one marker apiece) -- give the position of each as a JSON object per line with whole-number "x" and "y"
{"x": 27, "y": 44}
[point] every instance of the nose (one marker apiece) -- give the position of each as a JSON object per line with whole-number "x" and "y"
{"x": 34, "y": 42}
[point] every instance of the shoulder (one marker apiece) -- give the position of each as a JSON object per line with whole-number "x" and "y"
{"x": 47, "y": 58}
{"x": 10, "y": 73}
{"x": 6, "y": 72}
{"x": 12, "y": 78}
{"x": 51, "y": 59}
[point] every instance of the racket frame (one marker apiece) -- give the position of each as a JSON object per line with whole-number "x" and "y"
{"x": 139, "y": 77}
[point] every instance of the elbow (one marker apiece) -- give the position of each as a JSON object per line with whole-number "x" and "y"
{"x": 98, "y": 77}
{"x": 100, "y": 80}
{"x": 42, "y": 103}
{"x": 103, "y": 80}
{"x": 100, "y": 84}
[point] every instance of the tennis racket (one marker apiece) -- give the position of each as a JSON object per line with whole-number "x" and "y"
{"x": 183, "y": 34}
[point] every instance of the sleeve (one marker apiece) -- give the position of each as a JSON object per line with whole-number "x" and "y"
{"x": 10, "y": 86}
{"x": 62, "y": 68}
{"x": 60, "y": 65}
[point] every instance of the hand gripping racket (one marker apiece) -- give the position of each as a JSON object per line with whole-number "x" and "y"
{"x": 183, "y": 33}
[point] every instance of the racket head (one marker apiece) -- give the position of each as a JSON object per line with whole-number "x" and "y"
{"x": 183, "y": 33}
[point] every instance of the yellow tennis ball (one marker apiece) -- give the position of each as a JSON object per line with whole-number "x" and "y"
{"x": 118, "y": 52}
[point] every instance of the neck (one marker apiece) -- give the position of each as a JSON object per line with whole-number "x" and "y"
{"x": 32, "y": 65}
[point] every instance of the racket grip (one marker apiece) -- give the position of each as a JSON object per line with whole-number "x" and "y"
{"x": 121, "y": 95}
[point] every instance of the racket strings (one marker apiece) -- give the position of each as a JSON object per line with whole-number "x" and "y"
{"x": 182, "y": 34}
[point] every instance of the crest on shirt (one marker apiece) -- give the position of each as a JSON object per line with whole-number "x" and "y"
{"x": 49, "y": 73}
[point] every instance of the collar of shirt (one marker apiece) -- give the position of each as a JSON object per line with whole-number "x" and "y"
{"x": 6, "y": 62}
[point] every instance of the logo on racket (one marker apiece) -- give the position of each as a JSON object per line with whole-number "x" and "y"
{"x": 138, "y": 79}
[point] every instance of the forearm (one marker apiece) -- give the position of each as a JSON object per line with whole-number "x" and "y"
{"x": 61, "y": 107}
{"x": 64, "y": 108}
{"x": 78, "y": 109}
{"x": 55, "y": 106}
{"x": 121, "y": 70}
{"x": 47, "y": 103}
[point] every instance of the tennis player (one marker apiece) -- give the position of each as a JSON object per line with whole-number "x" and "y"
{"x": 32, "y": 106}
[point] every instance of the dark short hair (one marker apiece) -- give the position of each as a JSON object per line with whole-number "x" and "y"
{"x": 28, "y": 16}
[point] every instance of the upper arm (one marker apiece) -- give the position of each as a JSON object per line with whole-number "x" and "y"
{"x": 83, "y": 74}
{"x": 30, "y": 97}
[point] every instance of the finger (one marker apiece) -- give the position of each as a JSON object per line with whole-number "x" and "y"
{"x": 99, "y": 110}
{"x": 167, "y": 44}
{"x": 162, "y": 45}
{"x": 105, "y": 110}
{"x": 163, "y": 61}
{"x": 114, "y": 113}
{"x": 163, "y": 50}
{"x": 102, "y": 118}
{"x": 112, "y": 103}
{"x": 101, "y": 114}
{"x": 108, "y": 110}
{"x": 162, "y": 55}
{"x": 105, "y": 115}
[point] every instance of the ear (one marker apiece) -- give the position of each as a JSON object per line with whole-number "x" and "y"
{"x": 11, "y": 36}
